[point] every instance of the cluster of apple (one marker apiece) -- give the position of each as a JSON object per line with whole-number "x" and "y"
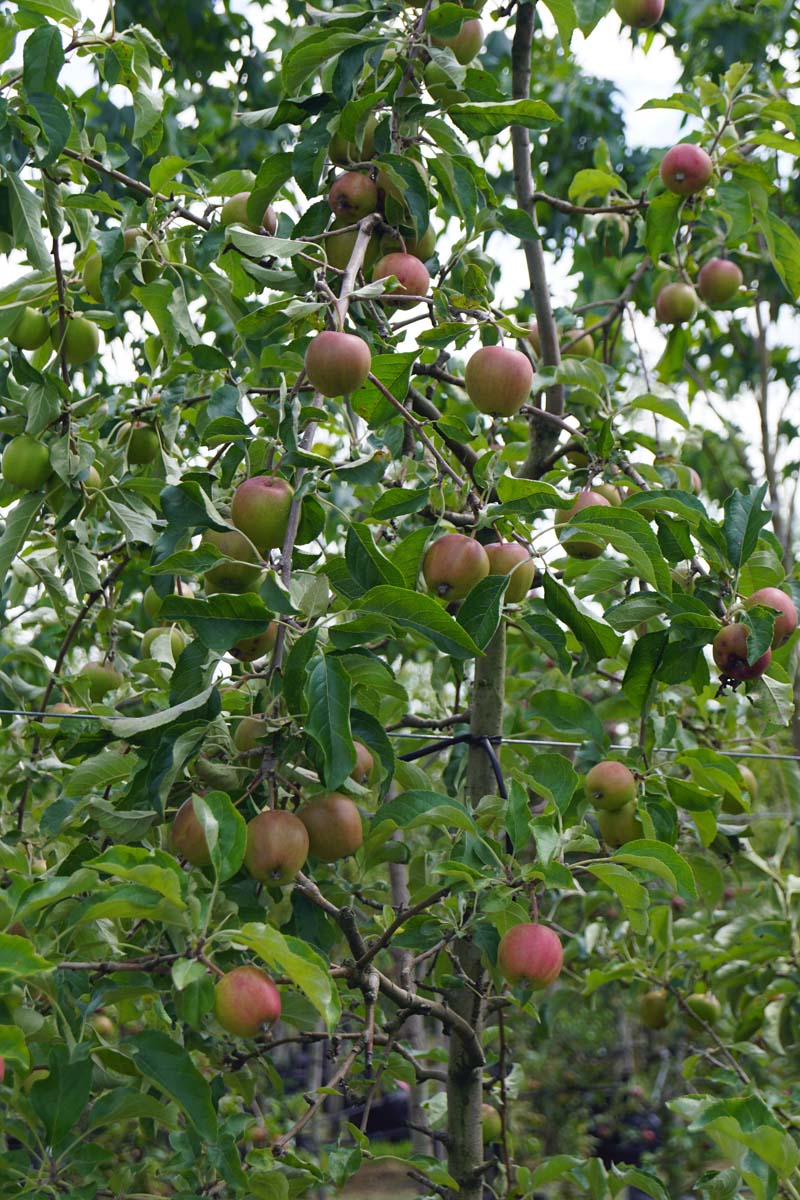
{"x": 730, "y": 646}
{"x": 454, "y": 563}
{"x": 611, "y": 788}
{"x": 703, "y": 1008}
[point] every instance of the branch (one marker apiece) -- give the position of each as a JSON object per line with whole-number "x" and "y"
{"x": 135, "y": 186}
{"x": 405, "y": 914}
{"x": 344, "y": 1070}
{"x": 442, "y": 462}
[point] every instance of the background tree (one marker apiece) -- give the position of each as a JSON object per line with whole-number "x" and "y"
{"x": 397, "y": 698}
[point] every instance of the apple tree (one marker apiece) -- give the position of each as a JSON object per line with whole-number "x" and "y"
{"x": 398, "y": 669}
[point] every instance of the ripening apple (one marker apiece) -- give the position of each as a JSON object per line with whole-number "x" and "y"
{"x": 783, "y": 605}
{"x": 231, "y": 576}
{"x": 491, "y": 1124}
{"x": 719, "y": 281}
{"x": 341, "y": 152}
{"x": 81, "y": 340}
{"x": 705, "y": 1006}
{"x": 26, "y": 463}
{"x": 337, "y": 363}
{"x": 103, "y": 1025}
{"x": 729, "y": 649}
{"x": 686, "y": 169}
{"x": 2, "y": 1069}
{"x": 277, "y": 847}
{"x": 188, "y": 836}
{"x": 676, "y": 303}
{"x": 498, "y": 380}
{"x": 58, "y": 710}
{"x": 102, "y": 679}
{"x": 260, "y": 509}
{"x": 466, "y": 43}
{"x": 31, "y": 330}
{"x": 177, "y": 640}
{"x": 234, "y": 212}
{"x": 620, "y": 826}
{"x": 410, "y": 273}
{"x": 141, "y": 441}
{"x": 531, "y": 954}
{"x": 249, "y": 649}
{"x": 151, "y": 601}
{"x": 610, "y": 786}
{"x": 640, "y": 14}
{"x": 353, "y": 195}
{"x": 453, "y": 564}
{"x": 334, "y": 826}
{"x": 422, "y": 248}
{"x": 611, "y": 493}
{"x": 574, "y": 546}
{"x": 245, "y": 1000}
{"x": 339, "y": 247}
{"x": 248, "y": 732}
{"x": 510, "y": 558}
{"x": 653, "y": 1008}
{"x": 365, "y": 765}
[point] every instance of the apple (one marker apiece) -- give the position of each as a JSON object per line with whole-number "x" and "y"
{"x": 505, "y": 559}
{"x": 25, "y": 463}
{"x": 653, "y": 1008}
{"x": 2, "y": 1069}
{"x": 58, "y": 710}
{"x": 729, "y": 649}
{"x": 102, "y": 679}
{"x": 442, "y": 87}
{"x": 619, "y": 826}
{"x": 640, "y": 14}
{"x": 676, "y": 303}
{"x": 491, "y": 1124}
{"x": 337, "y": 363}
{"x": 610, "y": 786}
{"x": 188, "y": 836}
{"x": 498, "y": 380}
{"x": 574, "y": 546}
{"x": 783, "y": 605}
{"x": 245, "y": 1000}
{"x": 421, "y": 248}
{"x": 353, "y": 195}
{"x": 466, "y": 43}
{"x": 611, "y": 493}
{"x": 530, "y": 953}
{"x": 334, "y": 826}
{"x": 177, "y": 640}
{"x": 81, "y": 340}
{"x": 685, "y": 169}
{"x": 260, "y": 509}
{"x": 365, "y": 765}
{"x": 277, "y": 847}
{"x": 231, "y": 576}
{"x": 453, "y": 564}
{"x": 251, "y": 648}
{"x": 234, "y": 212}
{"x": 151, "y": 601}
{"x": 705, "y": 1006}
{"x": 142, "y": 442}
{"x": 719, "y": 281}
{"x": 31, "y": 330}
{"x": 103, "y": 1025}
{"x": 339, "y": 247}
{"x": 341, "y": 152}
{"x": 749, "y": 781}
{"x": 259, "y": 1136}
{"x": 248, "y": 732}
{"x": 410, "y": 273}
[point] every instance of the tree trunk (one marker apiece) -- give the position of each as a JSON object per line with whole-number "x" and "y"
{"x": 464, "y": 1074}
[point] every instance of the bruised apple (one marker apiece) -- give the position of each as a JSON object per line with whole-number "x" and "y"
{"x": 730, "y": 654}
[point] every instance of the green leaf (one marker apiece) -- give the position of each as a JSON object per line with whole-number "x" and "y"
{"x": 665, "y": 406}
{"x": 480, "y": 120}
{"x": 295, "y": 958}
{"x": 128, "y": 1104}
{"x": 18, "y": 525}
{"x": 366, "y": 563}
{"x": 593, "y": 183}
{"x": 597, "y": 639}
{"x": 422, "y": 614}
{"x": 99, "y": 771}
{"x": 565, "y": 17}
{"x": 26, "y": 217}
{"x": 13, "y": 1047}
{"x": 151, "y": 868}
{"x": 566, "y": 713}
{"x": 744, "y": 519}
{"x": 639, "y": 681}
{"x": 631, "y": 893}
{"x": 128, "y": 900}
{"x": 659, "y": 859}
{"x": 310, "y": 54}
{"x": 220, "y": 621}
{"x": 226, "y": 832}
{"x": 131, "y": 727}
{"x": 18, "y": 959}
{"x": 42, "y": 59}
{"x": 59, "y": 10}
{"x": 661, "y": 224}
{"x": 555, "y": 777}
{"x": 411, "y": 809}
{"x": 169, "y": 1068}
{"x": 328, "y": 720}
{"x": 480, "y": 613}
{"x": 630, "y": 533}
{"x": 59, "y": 1099}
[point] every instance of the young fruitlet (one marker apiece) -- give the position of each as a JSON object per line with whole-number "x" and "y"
{"x": 730, "y": 654}
{"x": 334, "y": 826}
{"x": 453, "y": 564}
{"x": 611, "y": 493}
{"x": 277, "y": 847}
{"x": 337, "y": 363}
{"x": 249, "y": 649}
{"x": 498, "y": 380}
{"x": 229, "y": 576}
{"x": 353, "y": 196}
{"x": 410, "y": 273}
{"x": 141, "y": 441}
{"x": 26, "y": 463}
{"x": 619, "y": 826}
{"x": 574, "y": 546}
{"x": 248, "y": 731}
{"x": 510, "y": 558}
{"x": 719, "y": 281}
{"x": 783, "y": 605}
{"x": 706, "y": 1007}
{"x": 102, "y": 679}
{"x": 653, "y": 1009}
{"x": 81, "y": 340}
{"x": 188, "y": 836}
{"x": 639, "y": 14}
{"x": 466, "y": 43}
{"x": 676, "y": 304}
{"x": 686, "y": 169}
{"x": 260, "y": 509}
{"x": 245, "y": 1000}
{"x": 531, "y": 954}
{"x": 365, "y": 765}
{"x": 32, "y": 329}
{"x": 610, "y": 786}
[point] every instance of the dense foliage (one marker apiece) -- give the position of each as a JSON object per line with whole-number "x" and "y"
{"x": 189, "y": 661}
